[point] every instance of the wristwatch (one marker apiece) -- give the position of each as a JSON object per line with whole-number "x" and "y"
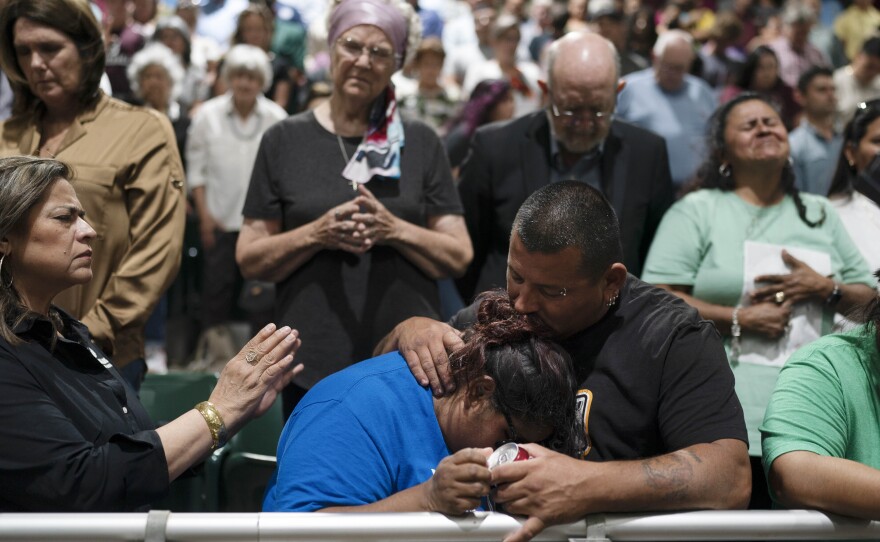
{"x": 834, "y": 297}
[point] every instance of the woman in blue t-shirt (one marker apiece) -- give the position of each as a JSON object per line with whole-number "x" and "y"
{"x": 370, "y": 438}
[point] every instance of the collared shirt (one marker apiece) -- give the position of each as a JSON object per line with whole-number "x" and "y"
{"x": 220, "y": 151}
{"x": 679, "y": 117}
{"x": 814, "y": 157}
{"x": 588, "y": 168}
{"x": 73, "y": 435}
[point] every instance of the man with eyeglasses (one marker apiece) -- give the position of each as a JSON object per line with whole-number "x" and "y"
{"x": 574, "y": 138}
{"x": 664, "y": 428}
{"x": 672, "y": 103}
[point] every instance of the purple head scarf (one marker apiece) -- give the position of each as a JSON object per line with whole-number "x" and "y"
{"x": 351, "y": 13}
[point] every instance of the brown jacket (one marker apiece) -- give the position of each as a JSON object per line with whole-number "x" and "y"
{"x": 129, "y": 178}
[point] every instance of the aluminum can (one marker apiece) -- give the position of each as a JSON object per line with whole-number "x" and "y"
{"x": 507, "y": 453}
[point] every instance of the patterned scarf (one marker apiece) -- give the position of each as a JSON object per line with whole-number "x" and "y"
{"x": 379, "y": 152}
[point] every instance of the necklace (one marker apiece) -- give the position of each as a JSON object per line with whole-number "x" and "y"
{"x": 345, "y": 155}
{"x": 236, "y": 131}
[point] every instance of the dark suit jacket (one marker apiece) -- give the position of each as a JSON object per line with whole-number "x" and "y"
{"x": 508, "y": 161}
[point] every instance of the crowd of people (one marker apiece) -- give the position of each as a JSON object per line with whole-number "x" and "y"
{"x": 637, "y": 238}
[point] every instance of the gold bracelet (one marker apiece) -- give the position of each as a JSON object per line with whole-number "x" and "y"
{"x": 215, "y": 423}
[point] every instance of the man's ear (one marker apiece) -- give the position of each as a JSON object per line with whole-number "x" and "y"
{"x": 799, "y": 98}
{"x": 480, "y": 391}
{"x": 5, "y": 246}
{"x": 615, "y": 277}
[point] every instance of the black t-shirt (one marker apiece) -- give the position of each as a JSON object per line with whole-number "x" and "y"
{"x": 341, "y": 303}
{"x": 654, "y": 377}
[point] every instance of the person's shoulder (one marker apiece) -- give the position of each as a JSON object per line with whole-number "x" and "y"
{"x": 373, "y": 376}
{"x": 698, "y": 84}
{"x": 630, "y": 133}
{"x": 416, "y": 127}
{"x": 665, "y": 311}
{"x": 839, "y": 348}
{"x": 525, "y": 124}
{"x": 290, "y": 125}
{"x": 638, "y": 78}
{"x": 274, "y": 110}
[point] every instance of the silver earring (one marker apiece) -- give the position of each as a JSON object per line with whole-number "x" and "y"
{"x": 724, "y": 170}
{"x": 613, "y": 299}
{"x": 1, "y": 273}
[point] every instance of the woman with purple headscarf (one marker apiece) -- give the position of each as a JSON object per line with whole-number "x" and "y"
{"x": 351, "y": 210}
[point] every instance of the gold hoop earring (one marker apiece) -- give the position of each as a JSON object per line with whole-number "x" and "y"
{"x": 3, "y": 257}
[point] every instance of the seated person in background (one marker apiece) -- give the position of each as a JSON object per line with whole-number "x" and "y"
{"x": 368, "y": 438}
{"x": 824, "y": 419}
{"x": 73, "y": 436}
{"x": 664, "y": 428}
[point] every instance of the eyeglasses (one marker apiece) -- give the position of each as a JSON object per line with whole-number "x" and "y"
{"x": 353, "y": 49}
{"x": 580, "y": 115}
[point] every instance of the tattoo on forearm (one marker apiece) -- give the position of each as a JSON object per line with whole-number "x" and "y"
{"x": 670, "y": 474}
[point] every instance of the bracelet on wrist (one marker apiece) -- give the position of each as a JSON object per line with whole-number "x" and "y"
{"x": 735, "y": 333}
{"x": 212, "y": 417}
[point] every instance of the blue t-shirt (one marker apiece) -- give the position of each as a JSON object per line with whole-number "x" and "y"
{"x": 357, "y": 437}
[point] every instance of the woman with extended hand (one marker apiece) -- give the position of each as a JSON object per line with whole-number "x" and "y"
{"x": 726, "y": 249}
{"x": 351, "y": 210}
{"x": 369, "y": 438}
{"x": 73, "y": 436}
{"x": 127, "y": 170}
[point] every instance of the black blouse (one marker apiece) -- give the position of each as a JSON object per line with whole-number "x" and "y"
{"x": 73, "y": 435}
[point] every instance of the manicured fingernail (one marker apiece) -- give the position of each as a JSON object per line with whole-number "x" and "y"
{"x": 269, "y": 327}
{"x": 285, "y": 329}
{"x": 290, "y": 338}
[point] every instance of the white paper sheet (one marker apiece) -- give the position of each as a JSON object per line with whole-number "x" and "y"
{"x": 806, "y": 316}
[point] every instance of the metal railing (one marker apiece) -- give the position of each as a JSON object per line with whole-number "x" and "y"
{"x": 429, "y": 527}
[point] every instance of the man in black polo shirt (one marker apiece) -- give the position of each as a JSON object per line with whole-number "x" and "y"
{"x": 664, "y": 428}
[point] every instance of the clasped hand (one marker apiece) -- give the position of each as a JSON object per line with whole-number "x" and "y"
{"x": 358, "y": 225}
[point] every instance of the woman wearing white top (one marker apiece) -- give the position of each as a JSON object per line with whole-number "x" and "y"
{"x": 860, "y": 214}
{"x": 522, "y": 76}
{"x": 220, "y": 152}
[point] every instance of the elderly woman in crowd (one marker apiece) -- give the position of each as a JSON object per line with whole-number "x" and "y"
{"x": 513, "y": 384}
{"x": 156, "y": 78}
{"x": 256, "y": 25}
{"x": 351, "y": 210}
{"x": 855, "y": 188}
{"x": 73, "y": 436}
{"x": 523, "y": 76}
{"x": 726, "y": 249}
{"x": 128, "y": 173}
{"x": 821, "y": 433}
{"x": 220, "y": 153}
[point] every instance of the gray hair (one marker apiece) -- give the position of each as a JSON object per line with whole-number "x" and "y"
{"x": 156, "y": 54}
{"x": 669, "y": 37}
{"x": 413, "y": 34}
{"x": 250, "y": 59}
{"x": 553, "y": 51}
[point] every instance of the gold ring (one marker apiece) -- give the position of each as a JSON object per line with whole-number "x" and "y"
{"x": 779, "y": 297}
{"x": 251, "y": 357}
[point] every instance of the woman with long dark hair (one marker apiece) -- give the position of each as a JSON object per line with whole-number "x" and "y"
{"x": 760, "y": 74}
{"x": 723, "y": 249}
{"x": 855, "y": 187}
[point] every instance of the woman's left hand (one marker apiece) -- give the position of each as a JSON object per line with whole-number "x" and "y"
{"x": 376, "y": 224}
{"x": 803, "y": 283}
{"x": 250, "y": 382}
